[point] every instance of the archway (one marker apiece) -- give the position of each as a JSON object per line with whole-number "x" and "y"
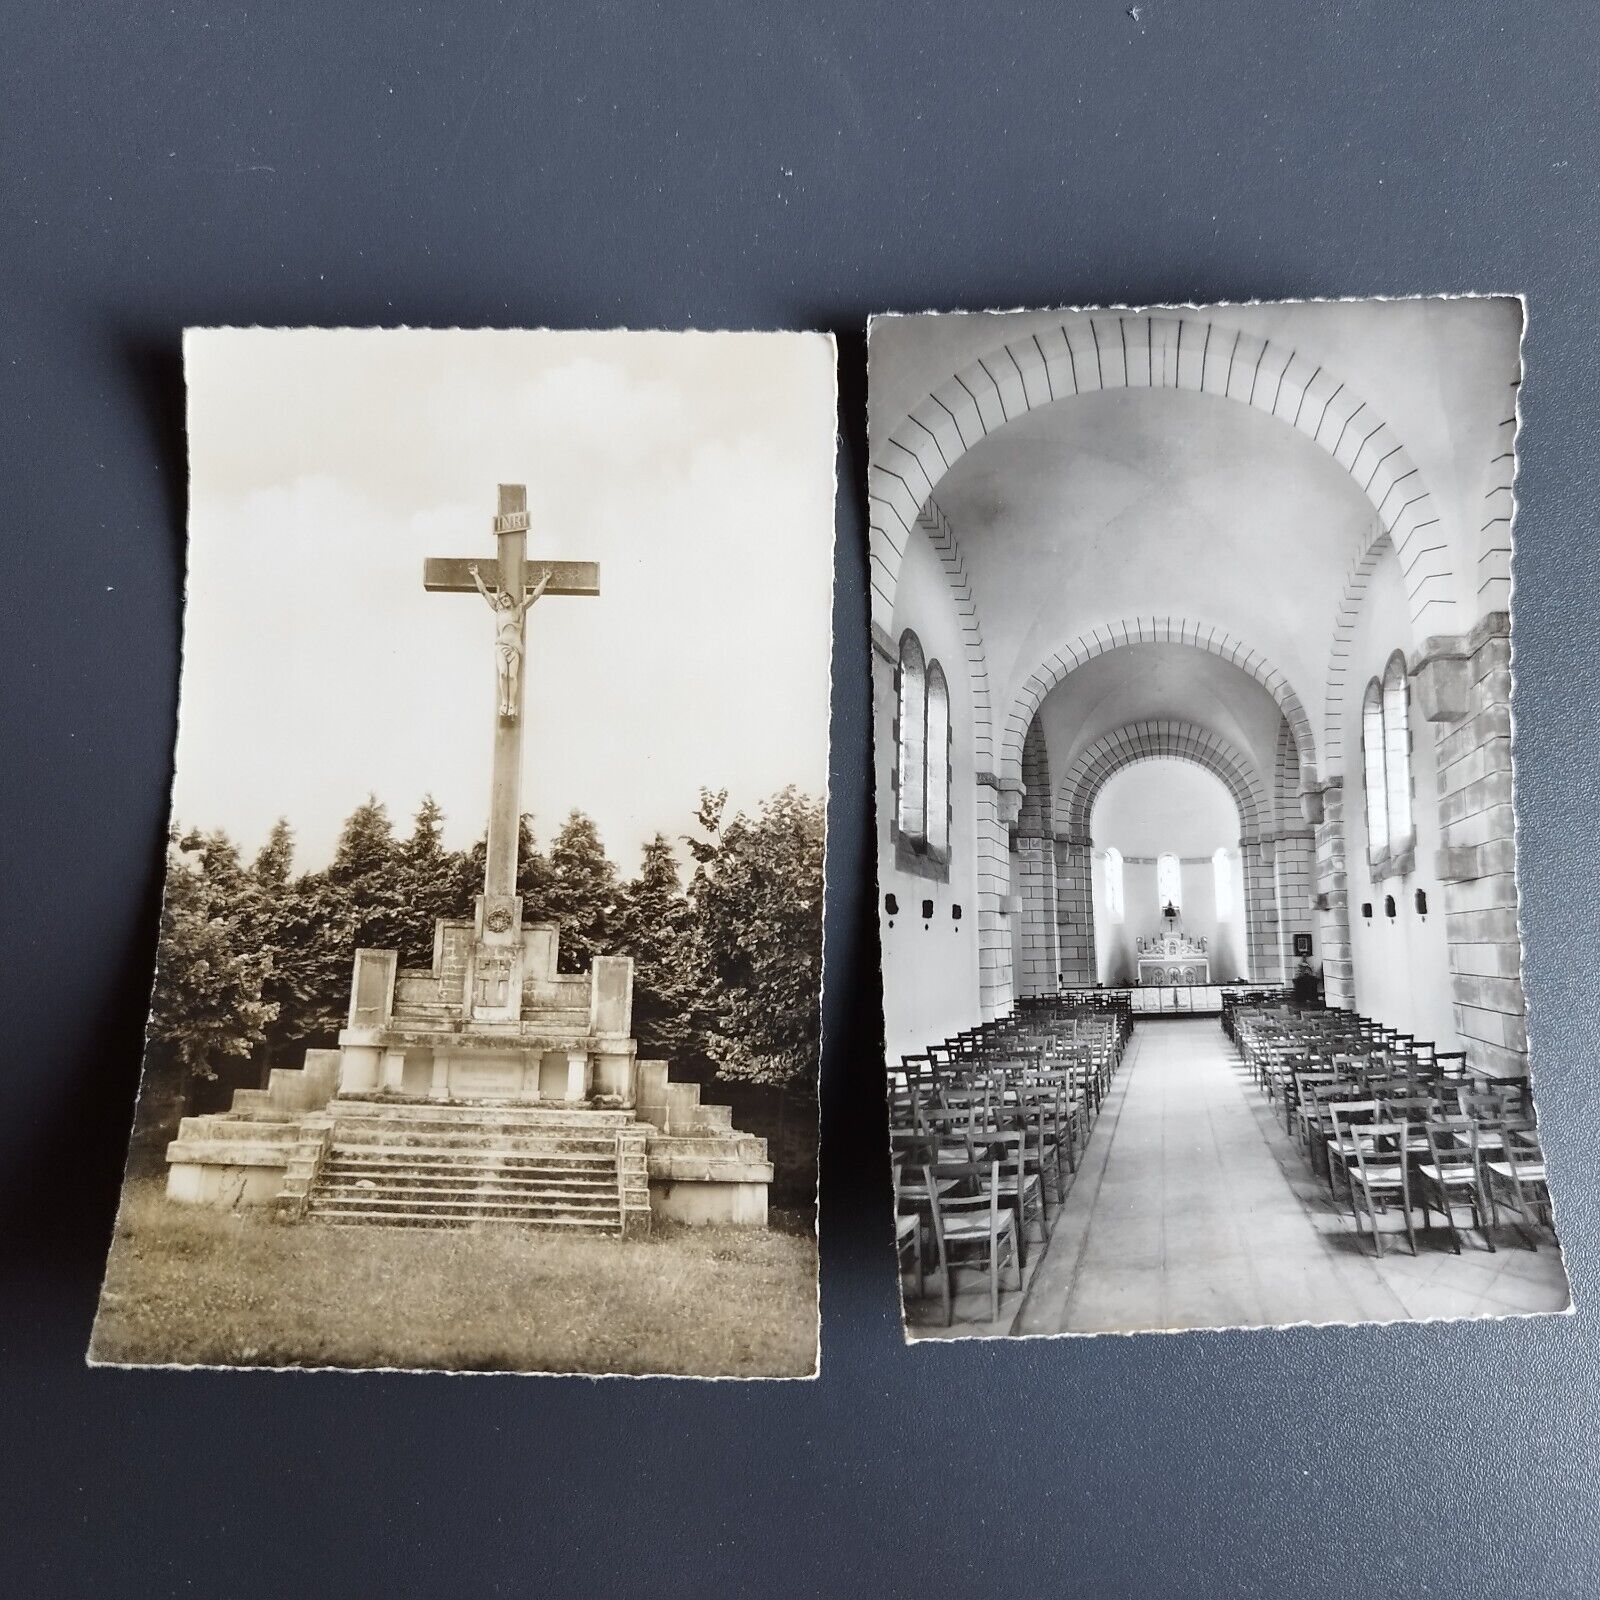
{"x": 1094, "y": 354}
{"x": 1161, "y": 739}
{"x": 1180, "y": 631}
{"x": 1166, "y": 833}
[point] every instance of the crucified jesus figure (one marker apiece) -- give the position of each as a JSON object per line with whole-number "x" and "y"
{"x": 508, "y": 635}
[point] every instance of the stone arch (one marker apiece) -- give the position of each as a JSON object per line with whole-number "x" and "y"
{"x": 934, "y": 525}
{"x": 1344, "y": 627}
{"x": 1147, "y": 350}
{"x": 1183, "y": 631}
{"x": 1152, "y": 740}
{"x": 1163, "y": 740}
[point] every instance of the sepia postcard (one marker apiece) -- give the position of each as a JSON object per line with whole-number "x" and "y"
{"x": 1202, "y": 977}
{"x": 485, "y": 1027}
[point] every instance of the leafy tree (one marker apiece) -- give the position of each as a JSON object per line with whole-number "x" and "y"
{"x": 655, "y": 925}
{"x": 757, "y": 897}
{"x": 208, "y": 1000}
{"x": 582, "y": 893}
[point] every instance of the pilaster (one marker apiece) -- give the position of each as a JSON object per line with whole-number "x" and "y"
{"x": 1469, "y": 699}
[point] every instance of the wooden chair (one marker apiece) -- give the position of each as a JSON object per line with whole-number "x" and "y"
{"x": 1022, "y": 1186}
{"x": 1516, "y": 1176}
{"x": 915, "y": 1151}
{"x": 1451, "y": 1176}
{"x": 968, "y": 1215}
{"x": 1381, "y": 1175}
{"x": 907, "y": 1228}
{"x": 1347, "y": 1119}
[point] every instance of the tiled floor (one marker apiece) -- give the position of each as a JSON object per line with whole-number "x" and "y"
{"x": 1193, "y": 1208}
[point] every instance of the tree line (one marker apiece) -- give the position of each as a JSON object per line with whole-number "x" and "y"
{"x": 255, "y": 959}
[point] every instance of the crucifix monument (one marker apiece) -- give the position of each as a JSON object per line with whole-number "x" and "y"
{"x": 518, "y": 583}
{"x": 490, "y": 1084}
{"x": 496, "y": 980}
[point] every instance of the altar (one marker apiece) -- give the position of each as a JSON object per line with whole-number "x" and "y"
{"x": 1167, "y": 958}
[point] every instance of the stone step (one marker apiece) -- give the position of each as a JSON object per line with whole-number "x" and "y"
{"x": 355, "y": 1108}
{"x": 494, "y": 1197}
{"x": 511, "y": 1183}
{"x": 442, "y": 1143}
{"x": 359, "y": 1160}
{"x": 471, "y": 1211}
{"x": 409, "y": 1219}
{"x": 440, "y": 1172}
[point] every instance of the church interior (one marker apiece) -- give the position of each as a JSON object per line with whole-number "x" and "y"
{"x": 1202, "y": 978}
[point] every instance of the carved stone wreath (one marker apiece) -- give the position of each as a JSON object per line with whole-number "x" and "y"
{"x": 499, "y": 920}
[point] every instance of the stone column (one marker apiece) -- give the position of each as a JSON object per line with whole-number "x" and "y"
{"x": 1261, "y": 910}
{"x": 577, "y": 1074}
{"x": 394, "y": 1070}
{"x": 1325, "y": 807}
{"x": 1463, "y": 686}
{"x": 996, "y": 991}
{"x": 1293, "y": 871}
{"x": 1039, "y": 955}
{"x": 1075, "y": 909}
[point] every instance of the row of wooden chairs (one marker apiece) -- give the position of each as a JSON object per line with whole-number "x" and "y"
{"x": 1404, "y": 1126}
{"x": 986, "y": 1132}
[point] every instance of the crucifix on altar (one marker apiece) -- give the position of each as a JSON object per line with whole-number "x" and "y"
{"x": 516, "y": 584}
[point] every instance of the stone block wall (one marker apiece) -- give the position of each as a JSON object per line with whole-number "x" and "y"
{"x": 995, "y": 988}
{"x": 1294, "y": 872}
{"x": 1467, "y": 694}
{"x": 1038, "y": 954}
{"x": 1075, "y": 911}
{"x": 1333, "y": 899}
{"x": 1261, "y": 911}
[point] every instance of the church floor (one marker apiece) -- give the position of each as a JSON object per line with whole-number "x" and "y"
{"x": 1192, "y": 1208}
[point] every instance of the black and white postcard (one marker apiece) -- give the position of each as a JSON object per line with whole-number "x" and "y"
{"x": 1192, "y": 689}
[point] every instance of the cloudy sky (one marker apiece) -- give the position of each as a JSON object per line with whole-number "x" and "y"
{"x": 697, "y": 469}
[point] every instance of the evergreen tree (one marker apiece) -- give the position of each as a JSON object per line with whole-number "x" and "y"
{"x": 582, "y": 892}
{"x": 366, "y": 845}
{"x": 430, "y": 882}
{"x": 655, "y": 925}
{"x": 425, "y": 847}
{"x": 217, "y": 854}
{"x": 275, "y": 859}
{"x": 535, "y": 877}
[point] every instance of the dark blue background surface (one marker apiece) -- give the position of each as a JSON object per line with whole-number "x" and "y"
{"x": 740, "y": 165}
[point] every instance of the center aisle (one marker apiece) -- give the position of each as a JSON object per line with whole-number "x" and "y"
{"x": 1183, "y": 1216}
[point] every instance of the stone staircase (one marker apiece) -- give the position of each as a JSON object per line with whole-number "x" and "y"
{"x": 382, "y": 1162}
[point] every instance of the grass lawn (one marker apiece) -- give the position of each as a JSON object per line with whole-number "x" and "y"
{"x": 193, "y": 1286}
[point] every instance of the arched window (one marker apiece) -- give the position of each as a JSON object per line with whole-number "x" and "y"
{"x": 1169, "y": 882}
{"x": 911, "y": 771}
{"x": 922, "y": 762}
{"x": 1374, "y": 784}
{"x": 1397, "y": 754}
{"x": 1222, "y": 881}
{"x": 937, "y": 787}
{"x": 1114, "y": 903}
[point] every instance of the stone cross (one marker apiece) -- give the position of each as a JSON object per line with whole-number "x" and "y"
{"x": 523, "y": 580}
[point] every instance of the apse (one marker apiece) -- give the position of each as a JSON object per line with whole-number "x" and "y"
{"x": 1166, "y": 832}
